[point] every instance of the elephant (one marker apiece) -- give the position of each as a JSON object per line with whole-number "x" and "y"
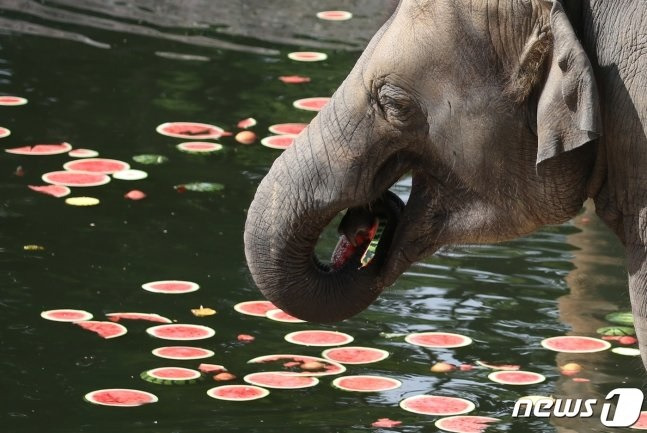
{"x": 508, "y": 115}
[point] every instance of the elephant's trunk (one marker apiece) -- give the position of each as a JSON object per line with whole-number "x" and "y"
{"x": 308, "y": 185}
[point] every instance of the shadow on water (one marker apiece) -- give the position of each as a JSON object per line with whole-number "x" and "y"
{"x": 507, "y": 297}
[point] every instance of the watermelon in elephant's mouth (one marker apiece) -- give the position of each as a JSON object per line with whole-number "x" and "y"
{"x": 365, "y": 229}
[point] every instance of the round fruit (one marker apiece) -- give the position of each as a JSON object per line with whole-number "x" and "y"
{"x": 181, "y": 332}
{"x": 437, "y": 405}
{"x": 280, "y": 380}
{"x": 574, "y": 344}
{"x": 307, "y": 56}
{"x": 281, "y": 316}
{"x": 355, "y": 355}
{"x": 324, "y": 366}
{"x": 190, "y": 130}
{"x": 437, "y": 340}
{"x": 171, "y": 376}
{"x": 334, "y": 15}
{"x": 97, "y": 165}
{"x": 624, "y": 318}
{"x": 311, "y": 104}
{"x": 120, "y": 397}
{"x": 182, "y": 352}
{"x": 75, "y": 178}
{"x": 199, "y": 147}
{"x": 366, "y": 383}
{"x": 171, "y": 287}
{"x": 104, "y": 329}
{"x": 150, "y": 317}
{"x": 237, "y": 392}
{"x": 318, "y": 338}
{"x": 465, "y": 424}
{"x": 130, "y": 174}
{"x": 280, "y": 142}
{"x": 516, "y": 377}
{"x": 41, "y": 149}
{"x": 287, "y": 128}
{"x": 66, "y": 315}
{"x": 254, "y": 308}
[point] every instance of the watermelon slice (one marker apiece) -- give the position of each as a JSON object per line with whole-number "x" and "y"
{"x": 190, "y": 130}
{"x": 626, "y": 351}
{"x": 246, "y": 123}
{"x": 311, "y": 104}
{"x": 280, "y": 142}
{"x": 641, "y": 424}
{"x": 334, "y": 15}
{"x": 4, "y": 132}
{"x": 199, "y": 147}
{"x": 366, "y": 383}
{"x": 498, "y": 366}
{"x": 438, "y": 340}
{"x": 575, "y": 344}
{"x": 171, "y": 287}
{"x": 281, "y": 316}
{"x": 12, "y": 100}
{"x": 329, "y": 367}
{"x": 97, "y": 165}
{"x": 465, "y": 424}
{"x": 120, "y": 397}
{"x": 280, "y": 380}
{"x": 83, "y": 153}
{"x": 294, "y": 79}
{"x": 57, "y": 191}
{"x": 287, "y": 128}
{"x": 66, "y": 315}
{"x": 150, "y": 317}
{"x": 130, "y": 174}
{"x": 103, "y": 329}
{"x": 307, "y": 56}
{"x": 41, "y": 149}
{"x": 135, "y": 195}
{"x": 254, "y": 308}
{"x": 237, "y": 392}
{"x": 318, "y": 338}
{"x": 516, "y": 377}
{"x": 75, "y": 178}
{"x": 623, "y": 318}
{"x": 171, "y": 376}
{"x": 211, "y": 368}
{"x": 386, "y": 423}
{"x": 182, "y": 352}
{"x": 355, "y": 355}
{"x": 181, "y": 332}
{"x": 437, "y": 405}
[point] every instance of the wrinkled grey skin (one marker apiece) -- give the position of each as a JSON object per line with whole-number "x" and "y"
{"x": 507, "y": 122}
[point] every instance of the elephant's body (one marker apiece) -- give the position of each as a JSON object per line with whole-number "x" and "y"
{"x": 507, "y": 122}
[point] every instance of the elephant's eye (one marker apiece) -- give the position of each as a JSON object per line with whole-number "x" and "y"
{"x": 396, "y": 104}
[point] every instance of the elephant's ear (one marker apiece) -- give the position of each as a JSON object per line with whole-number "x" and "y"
{"x": 568, "y": 112}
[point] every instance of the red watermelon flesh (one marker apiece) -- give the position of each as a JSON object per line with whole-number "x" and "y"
{"x": 120, "y": 397}
{"x": 103, "y": 329}
{"x": 255, "y": 308}
{"x": 641, "y": 424}
{"x": 366, "y": 383}
{"x": 97, "y": 165}
{"x": 237, "y": 392}
{"x": 318, "y": 337}
{"x": 53, "y": 190}
{"x": 465, "y": 424}
{"x": 280, "y": 380}
{"x": 41, "y": 149}
{"x": 287, "y": 128}
{"x": 181, "y": 332}
{"x": 75, "y": 178}
{"x": 182, "y": 352}
{"x": 173, "y": 373}
{"x": 355, "y": 355}
{"x": 437, "y": 405}
{"x": 516, "y": 377}
{"x": 294, "y": 79}
{"x": 575, "y": 344}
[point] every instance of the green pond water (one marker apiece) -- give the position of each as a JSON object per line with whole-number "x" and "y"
{"x": 507, "y": 297}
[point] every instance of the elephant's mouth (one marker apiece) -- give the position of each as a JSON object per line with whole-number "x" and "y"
{"x": 366, "y": 234}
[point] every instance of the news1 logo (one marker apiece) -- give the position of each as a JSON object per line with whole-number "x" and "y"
{"x": 628, "y": 405}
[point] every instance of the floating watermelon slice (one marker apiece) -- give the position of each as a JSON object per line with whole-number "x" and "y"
{"x": 66, "y": 315}
{"x": 575, "y": 344}
{"x": 150, "y": 317}
{"x": 280, "y": 142}
{"x": 171, "y": 376}
{"x": 281, "y": 316}
{"x": 12, "y": 100}
{"x": 355, "y": 355}
{"x": 181, "y": 332}
{"x": 57, "y": 191}
{"x": 366, "y": 383}
{"x": 120, "y": 397}
{"x": 641, "y": 424}
{"x": 294, "y": 79}
{"x": 318, "y": 338}
{"x": 41, "y": 149}
{"x": 246, "y": 123}
{"x": 83, "y": 153}
{"x": 171, "y": 287}
{"x": 437, "y": 405}
{"x": 254, "y": 308}
{"x": 182, "y": 352}
{"x": 190, "y": 130}
{"x": 104, "y": 329}
{"x": 97, "y": 165}
{"x": 516, "y": 377}
{"x": 334, "y": 15}
{"x": 438, "y": 340}
{"x": 498, "y": 366}
{"x": 626, "y": 351}
{"x": 75, "y": 178}
{"x": 199, "y": 147}
{"x": 130, "y": 174}
{"x": 238, "y": 392}
{"x": 4, "y": 132}
{"x": 465, "y": 424}
{"x": 311, "y": 104}
{"x": 280, "y": 380}
{"x": 307, "y": 56}
{"x": 287, "y": 128}
{"x": 329, "y": 367}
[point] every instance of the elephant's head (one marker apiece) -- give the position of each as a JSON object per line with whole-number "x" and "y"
{"x": 488, "y": 105}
